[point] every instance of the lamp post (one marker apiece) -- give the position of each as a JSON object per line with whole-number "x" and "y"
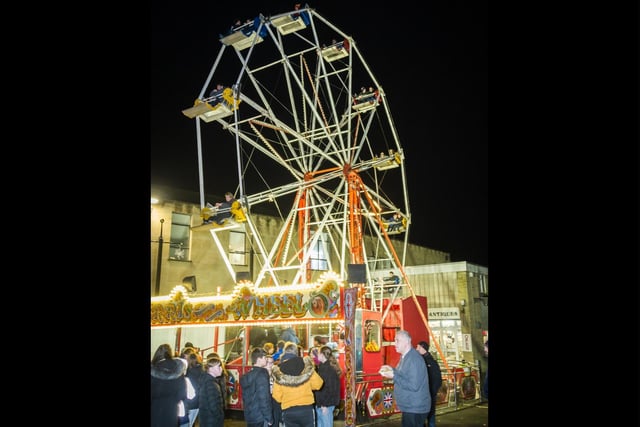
{"x": 159, "y": 265}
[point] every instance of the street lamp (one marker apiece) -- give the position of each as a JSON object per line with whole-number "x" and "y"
{"x": 159, "y": 265}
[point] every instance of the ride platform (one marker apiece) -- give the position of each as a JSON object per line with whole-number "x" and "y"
{"x": 216, "y": 107}
{"x": 366, "y": 102}
{"x": 228, "y": 224}
{"x": 241, "y": 41}
{"x": 287, "y": 24}
{"x": 336, "y": 51}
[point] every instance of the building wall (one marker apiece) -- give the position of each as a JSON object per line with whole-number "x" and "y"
{"x": 205, "y": 264}
{"x": 446, "y": 285}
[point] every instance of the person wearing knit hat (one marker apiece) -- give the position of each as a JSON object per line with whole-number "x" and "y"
{"x": 435, "y": 379}
{"x": 294, "y": 381}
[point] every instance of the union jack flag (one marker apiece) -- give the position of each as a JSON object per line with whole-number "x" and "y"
{"x": 388, "y": 400}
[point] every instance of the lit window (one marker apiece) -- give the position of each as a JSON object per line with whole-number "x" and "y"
{"x": 180, "y": 237}
{"x": 319, "y": 254}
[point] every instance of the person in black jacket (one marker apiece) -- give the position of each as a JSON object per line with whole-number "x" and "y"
{"x": 256, "y": 393}
{"x": 328, "y": 397}
{"x": 210, "y": 400}
{"x": 168, "y": 386}
{"x": 195, "y": 373}
{"x": 435, "y": 379}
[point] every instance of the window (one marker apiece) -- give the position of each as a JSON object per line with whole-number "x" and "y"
{"x": 372, "y": 336}
{"x": 237, "y": 248}
{"x": 319, "y": 255}
{"x": 483, "y": 285}
{"x": 180, "y": 237}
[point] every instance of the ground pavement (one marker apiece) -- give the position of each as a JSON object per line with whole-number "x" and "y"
{"x": 468, "y": 415}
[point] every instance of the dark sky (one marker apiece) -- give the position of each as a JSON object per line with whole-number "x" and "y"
{"x": 431, "y": 60}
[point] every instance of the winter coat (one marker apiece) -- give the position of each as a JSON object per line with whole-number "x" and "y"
{"x": 168, "y": 388}
{"x": 211, "y": 403}
{"x": 294, "y": 381}
{"x": 329, "y": 394}
{"x": 289, "y": 334}
{"x": 195, "y": 374}
{"x": 435, "y": 374}
{"x": 256, "y": 397}
{"x": 411, "y": 384}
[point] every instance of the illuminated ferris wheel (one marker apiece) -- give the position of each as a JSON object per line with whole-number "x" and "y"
{"x": 305, "y": 101}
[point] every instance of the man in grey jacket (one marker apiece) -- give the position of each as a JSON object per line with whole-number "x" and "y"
{"x": 410, "y": 382}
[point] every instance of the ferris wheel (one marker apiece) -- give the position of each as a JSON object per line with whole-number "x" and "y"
{"x": 305, "y": 104}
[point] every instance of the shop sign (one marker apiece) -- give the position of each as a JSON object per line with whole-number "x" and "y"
{"x": 444, "y": 313}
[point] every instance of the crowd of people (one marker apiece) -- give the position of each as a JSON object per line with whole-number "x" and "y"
{"x": 285, "y": 387}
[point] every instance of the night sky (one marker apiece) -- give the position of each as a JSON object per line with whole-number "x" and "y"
{"x": 431, "y": 60}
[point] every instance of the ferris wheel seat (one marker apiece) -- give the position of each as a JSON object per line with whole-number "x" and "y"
{"x": 366, "y": 102}
{"x": 228, "y": 224}
{"x": 390, "y": 162}
{"x": 213, "y": 108}
{"x": 241, "y": 41}
{"x": 207, "y": 112}
{"x": 395, "y": 227}
{"x": 287, "y": 24}
{"x": 333, "y": 52}
{"x": 365, "y": 106}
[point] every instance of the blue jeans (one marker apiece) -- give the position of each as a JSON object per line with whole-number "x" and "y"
{"x": 413, "y": 420}
{"x": 193, "y": 413}
{"x": 324, "y": 416}
{"x": 432, "y": 420}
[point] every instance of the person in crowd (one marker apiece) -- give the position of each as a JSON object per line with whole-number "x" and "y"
{"x": 224, "y": 210}
{"x": 485, "y": 385}
{"x": 314, "y": 354}
{"x": 275, "y": 405}
{"x": 294, "y": 381}
{"x": 269, "y": 367}
{"x": 195, "y": 373}
{"x": 256, "y": 395}
{"x": 279, "y": 349}
{"x": 319, "y": 341}
{"x": 257, "y": 336}
{"x": 269, "y": 348}
{"x": 435, "y": 379}
{"x": 272, "y": 336}
{"x": 211, "y": 400}
{"x": 328, "y": 397}
{"x": 222, "y": 379}
{"x": 168, "y": 386}
{"x": 410, "y": 382}
{"x": 289, "y": 334}
{"x": 190, "y": 344}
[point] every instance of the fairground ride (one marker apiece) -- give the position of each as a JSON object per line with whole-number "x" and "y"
{"x": 316, "y": 142}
